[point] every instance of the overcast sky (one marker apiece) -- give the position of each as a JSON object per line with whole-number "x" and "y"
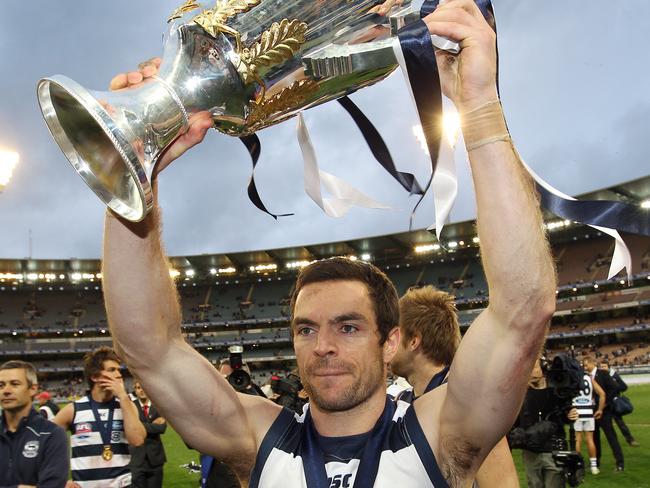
{"x": 574, "y": 82}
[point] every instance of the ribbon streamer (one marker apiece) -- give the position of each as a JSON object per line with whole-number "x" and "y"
{"x": 378, "y": 147}
{"x": 254, "y": 147}
{"x": 551, "y": 196}
{"x": 344, "y": 196}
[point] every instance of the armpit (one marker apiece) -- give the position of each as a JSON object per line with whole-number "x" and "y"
{"x": 457, "y": 460}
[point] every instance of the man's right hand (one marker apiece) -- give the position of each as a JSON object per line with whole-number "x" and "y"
{"x": 200, "y": 122}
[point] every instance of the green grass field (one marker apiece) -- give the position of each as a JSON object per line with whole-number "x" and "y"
{"x": 637, "y": 460}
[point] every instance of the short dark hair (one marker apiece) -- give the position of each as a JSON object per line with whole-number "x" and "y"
{"x": 30, "y": 370}
{"x": 94, "y": 362}
{"x": 381, "y": 290}
{"x": 431, "y": 314}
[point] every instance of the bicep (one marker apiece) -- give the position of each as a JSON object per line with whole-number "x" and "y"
{"x": 498, "y": 469}
{"x": 487, "y": 381}
{"x": 204, "y": 409}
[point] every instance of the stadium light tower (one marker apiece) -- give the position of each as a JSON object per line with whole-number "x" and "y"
{"x": 8, "y": 161}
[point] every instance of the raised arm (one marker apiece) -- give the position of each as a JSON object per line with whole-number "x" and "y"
{"x": 489, "y": 374}
{"x": 143, "y": 311}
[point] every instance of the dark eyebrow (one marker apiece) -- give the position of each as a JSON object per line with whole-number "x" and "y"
{"x": 302, "y": 320}
{"x": 348, "y": 317}
{"x": 345, "y": 317}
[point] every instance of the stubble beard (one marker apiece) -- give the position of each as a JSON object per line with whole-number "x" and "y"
{"x": 365, "y": 385}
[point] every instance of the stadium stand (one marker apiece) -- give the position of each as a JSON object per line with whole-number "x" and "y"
{"x": 52, "y": 319}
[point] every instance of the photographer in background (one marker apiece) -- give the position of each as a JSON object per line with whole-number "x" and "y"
{"x": 289, "y": 391}
{"x": 622, "y": 386}
{"x": 539, "y": 431}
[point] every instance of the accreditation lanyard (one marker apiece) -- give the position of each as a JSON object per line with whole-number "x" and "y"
{"x": 104, "y": 428}
{"x": 314, "y": 461}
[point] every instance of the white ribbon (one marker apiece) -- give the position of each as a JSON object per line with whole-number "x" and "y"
{"x": 445, "y": 181}
{"x": 344, "y": 195}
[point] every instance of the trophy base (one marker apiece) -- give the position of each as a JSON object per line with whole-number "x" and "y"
{"x": 99, "y": 147}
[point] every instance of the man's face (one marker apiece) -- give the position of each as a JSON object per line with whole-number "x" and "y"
{"x": 604, "y": 366}
{"x": 336, "y": 340}
{"x": 111, "y": 369}
{"x": 15, "y": 392}
{"x": 589, "y": 366}
{"x": 225, "y": 370}
{"x": 537, "y": 374}
{"x": 139, "y": 392}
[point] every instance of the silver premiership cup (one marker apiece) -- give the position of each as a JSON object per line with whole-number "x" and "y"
{"x": 250, "y": 63}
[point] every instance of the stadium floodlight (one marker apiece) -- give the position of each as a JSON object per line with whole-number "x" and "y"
{"x": 174, "y": 273}
{"x": 32, "y": 276}
{"x": 452, "y": 244}
{"x": 424, "y": 248}
{"x": 645, "y": 204}
{"x": 228, "y": 270}
{"x": 366, "y": 257}
{"x": 352, "y": 257}
{"x": 260, "y": 268}
{"x": 298, "y": 264}
{"x": 75, "y": 276}
{"x": 190, "y": 273}
{"x": 213, "y": 271}
{"x": 8, "y": 161}
{"x": 476, "y": 240}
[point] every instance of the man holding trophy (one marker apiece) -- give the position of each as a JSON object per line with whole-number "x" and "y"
{"x": 345, "y": 323}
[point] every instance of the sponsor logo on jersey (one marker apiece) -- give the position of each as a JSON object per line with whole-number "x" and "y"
{"x": 31, "y": 449}
{"x": 339, "y": 481}
{"x": 83, "y": 428}
{"x": 118, "y": 425}
{"x": 116, "y": 436}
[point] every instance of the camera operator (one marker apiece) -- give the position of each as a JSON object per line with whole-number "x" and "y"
{"x": 539, "y": 431}
{"x": 289, "y": 391}
{"x": 216, "y": 473}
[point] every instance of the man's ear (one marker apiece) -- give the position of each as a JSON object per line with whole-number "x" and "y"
{"x": 390, "y": 346}
{"x": 415, "y": 342}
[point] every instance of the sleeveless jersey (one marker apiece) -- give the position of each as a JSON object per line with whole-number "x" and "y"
{"x": 405, "y": 460}
{"x": 584, "y": 401}
{"x": 88, "y": 467}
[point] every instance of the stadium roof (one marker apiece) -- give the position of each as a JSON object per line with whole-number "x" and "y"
{"x": 385, "y": 248}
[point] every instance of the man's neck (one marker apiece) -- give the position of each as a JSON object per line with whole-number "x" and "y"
{"x": 13, "y": 417}
{"x": 99, "y": 395}
{"x": 358, "y": 420}
{"x": 423, "y": 371}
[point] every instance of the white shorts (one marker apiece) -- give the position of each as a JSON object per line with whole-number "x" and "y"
{"x": 585, "y": 425}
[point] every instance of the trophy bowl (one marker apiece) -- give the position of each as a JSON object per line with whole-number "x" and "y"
{"x": 249, "y": 63}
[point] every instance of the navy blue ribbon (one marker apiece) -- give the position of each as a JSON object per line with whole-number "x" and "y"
{"x": 314, "y": 462}
{"x": 254, "y": 147}
{"x": 378, "y": 147}
{"x": 104, "y": 428}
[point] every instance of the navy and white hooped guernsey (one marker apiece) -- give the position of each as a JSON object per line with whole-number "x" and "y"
{"x": 88, "y": 467}
{"x": 406, "y": 459}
